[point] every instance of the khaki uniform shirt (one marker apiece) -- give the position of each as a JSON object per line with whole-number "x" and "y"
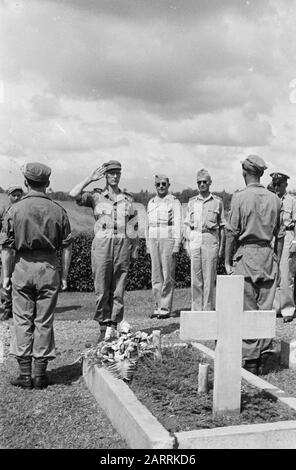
{"x": 36, "y": 223}
{"x": 255, "y": 218}
{"x": 113, "y": 216}
{"x": 164, "y": 218}
{"x": 289, "y": 211}
{"x": 203, "y": 215}
{"x": 255, "y": 215}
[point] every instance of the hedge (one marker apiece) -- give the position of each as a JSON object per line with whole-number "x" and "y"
{"x": 139, "y": 276}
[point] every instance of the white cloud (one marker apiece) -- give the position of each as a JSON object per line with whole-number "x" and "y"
{"x": 169, "y": 84}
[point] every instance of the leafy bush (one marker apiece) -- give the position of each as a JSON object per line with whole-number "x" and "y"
{"x": 139, "y": 277}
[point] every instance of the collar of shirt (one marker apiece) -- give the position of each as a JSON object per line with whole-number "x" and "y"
{"x": 257, "y": 185}
{"x": 200, "y": 198}
{"x": 34, "y": 193}
{"x": 284, "y": 196}
{"x": 118, "y": 197}
{"x": 158, "y": 199}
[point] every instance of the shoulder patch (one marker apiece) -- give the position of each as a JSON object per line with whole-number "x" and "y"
{"x": 97, "y": 190}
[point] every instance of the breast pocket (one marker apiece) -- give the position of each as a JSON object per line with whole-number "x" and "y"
{"x": 212, "y": 218}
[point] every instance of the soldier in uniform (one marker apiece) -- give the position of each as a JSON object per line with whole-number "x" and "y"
{"x": 204, "y": 239}
{"x": 254, "y": 222}
{"x": 14, "y": 195}
{"x": 114, "y": 244}
{"x": 284, "y": 298}
{"x": 36, "y": 227}
{"x": 163, "y": 239}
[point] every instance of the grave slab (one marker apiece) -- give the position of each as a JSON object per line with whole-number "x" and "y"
{"x": 133, "y": 421}
{"x": 288, "y": 354}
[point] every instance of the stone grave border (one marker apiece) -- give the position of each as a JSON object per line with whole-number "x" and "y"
{"x": 141, "y": 430}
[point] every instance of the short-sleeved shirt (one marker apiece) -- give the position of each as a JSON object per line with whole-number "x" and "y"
{"x": 36, "y": 223}
{"x": 112, "y": 215}
{"x": 255, "y": 215}
{"x": 164, "y": 218}
{"x": 205, "y": 214}
{"x": 289, "y": 211}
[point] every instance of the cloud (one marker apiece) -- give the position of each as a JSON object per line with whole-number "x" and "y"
{"x": 170, "y": 84}
{"x": 225, "y": 129}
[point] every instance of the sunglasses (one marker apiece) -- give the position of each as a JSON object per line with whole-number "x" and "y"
{"x": 202, "y": 181}
{"x": 161, "y": 184}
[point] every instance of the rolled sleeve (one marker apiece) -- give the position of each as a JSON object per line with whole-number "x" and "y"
{"x": 67, "y": 238}
{"x": 233, "y": 225}
{"x": 85, "y": 199}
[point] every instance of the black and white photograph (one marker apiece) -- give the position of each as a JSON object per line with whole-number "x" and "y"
{"x": 147, "y": 228}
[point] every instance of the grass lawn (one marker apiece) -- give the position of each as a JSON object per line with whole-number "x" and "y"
{"x": 65, "y": 415}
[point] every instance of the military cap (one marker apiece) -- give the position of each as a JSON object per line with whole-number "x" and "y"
{"x": 279, "y": 177}
{"x": 254, "y": 164}
{"x": 112, "y": 165}
{"x": 203, "y": 175}
{"x": 11, "y": 189}
{"x": 36, "y": 171}
{"x": 161, "y": 177}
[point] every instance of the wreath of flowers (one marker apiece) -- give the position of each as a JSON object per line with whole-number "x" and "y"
{"x": 120, "y": 356}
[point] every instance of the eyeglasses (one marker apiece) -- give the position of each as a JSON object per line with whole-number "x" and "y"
{"x": 161, "y": 184}
{"x": 202, "y": 181}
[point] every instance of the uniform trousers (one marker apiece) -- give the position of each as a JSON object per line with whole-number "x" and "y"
{"x": 204, "y": 261}
{"x": 35, "y": 286}
{"x": 284, "y": 303}
{"x": 258, "y": 265}
{"x": 163, "y": 264}
{"x": 110, "y": 258}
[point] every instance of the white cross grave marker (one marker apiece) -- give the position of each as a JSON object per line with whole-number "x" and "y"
{"x": 229, "y": 324}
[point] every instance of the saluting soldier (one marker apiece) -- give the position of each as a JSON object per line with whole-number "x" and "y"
{"x": 114, "y": 244}
{"x": 204, "y": 241}
{"x": 14, "y": 195}
{"x": 36, "y": 228}
{"x": 254, "y": 223}
{"x": 163, "y": 240}
{"x": 284, "y": 298}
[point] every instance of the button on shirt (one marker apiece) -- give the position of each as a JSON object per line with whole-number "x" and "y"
{"x": 203, "y": 215}
{"x": 112, "y": 216}
{"x": 255, "y": 215}
{"x": 36, "y": 223}
{"x": 164, "y": 218}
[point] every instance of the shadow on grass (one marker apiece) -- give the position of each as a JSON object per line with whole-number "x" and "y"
{"x": 65, "y": 375}
{"x": 67, "y": 309}
{"x": 165, "y": 329}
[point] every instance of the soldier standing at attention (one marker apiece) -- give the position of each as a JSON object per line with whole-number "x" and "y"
{"x": 254, "y": 221}
{"x": 36, "y": 227}
{"x": 163, "y": 240}
{"x": 284, "y": 298}
{"x": 114, "y": 244}
{"x": 204, "y": 242}
{"x": 14, "y": 193}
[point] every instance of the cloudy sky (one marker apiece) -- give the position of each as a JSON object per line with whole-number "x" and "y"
{"x": 166, "y": 86}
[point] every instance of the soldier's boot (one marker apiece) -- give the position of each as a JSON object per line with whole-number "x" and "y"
{"x": 163, "y": 313}
{"x": 252, "y": 365}
{"x": 40, "y": 380}
{"x": 24, "y": 380}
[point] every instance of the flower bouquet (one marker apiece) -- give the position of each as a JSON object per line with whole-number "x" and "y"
{"x": 120, "y": 356}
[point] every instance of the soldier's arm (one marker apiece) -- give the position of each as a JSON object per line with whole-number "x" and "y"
{"x": 232, "y": 234}
{"x": 96, "y": 175}
{"x": 67, "y": 241}
{"x": 66, "y": 261}
{"x": 221, "y": 229}
{"x": 279, "y": 233}
{"x": 7, "y": 256}
{"x": 293, "y": 244}
{"x": 177, "y": 211}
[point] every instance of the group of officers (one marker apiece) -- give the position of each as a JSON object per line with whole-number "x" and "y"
{"x": 259, "y": 239}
